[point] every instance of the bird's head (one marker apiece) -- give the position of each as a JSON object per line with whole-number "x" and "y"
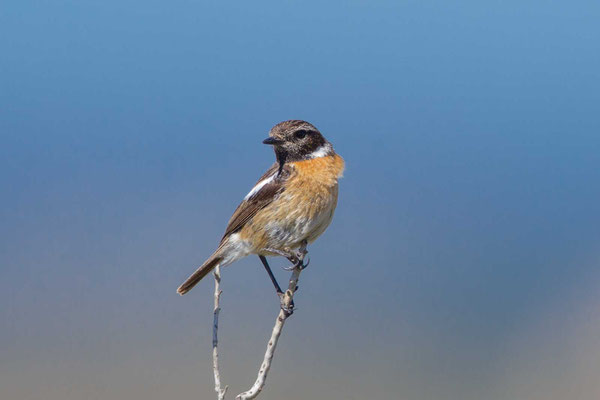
{"x": 296, "y": 140}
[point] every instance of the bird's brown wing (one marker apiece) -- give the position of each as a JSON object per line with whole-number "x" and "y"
{"x": 259, "y": 200}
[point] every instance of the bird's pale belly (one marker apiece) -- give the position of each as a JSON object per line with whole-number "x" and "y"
{"x": 289, "y": 232}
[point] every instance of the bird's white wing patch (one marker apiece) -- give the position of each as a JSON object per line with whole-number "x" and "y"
{"x": 259, "y": 186}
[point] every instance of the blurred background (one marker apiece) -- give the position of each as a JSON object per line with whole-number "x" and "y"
{"x": 463, "y": 260}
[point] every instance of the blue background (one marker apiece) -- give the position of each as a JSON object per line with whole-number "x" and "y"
{"x": 463, "y": 259}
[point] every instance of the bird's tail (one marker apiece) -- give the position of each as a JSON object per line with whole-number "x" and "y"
{"x": 200, "y": 273}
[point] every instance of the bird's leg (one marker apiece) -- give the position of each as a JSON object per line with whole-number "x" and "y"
{"x": 277, "y": 287}
{"x": 275, "y": 283}
{"x": 280, "y": 252}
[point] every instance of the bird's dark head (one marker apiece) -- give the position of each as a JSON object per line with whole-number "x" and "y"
{"x": 296, "y": 140}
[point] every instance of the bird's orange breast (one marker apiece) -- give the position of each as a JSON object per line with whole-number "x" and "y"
{"x": 303, "y": 210}
{"x": 322, "y": 170}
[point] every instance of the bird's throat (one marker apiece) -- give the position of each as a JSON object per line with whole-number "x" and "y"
{"x": 281, "y": 156}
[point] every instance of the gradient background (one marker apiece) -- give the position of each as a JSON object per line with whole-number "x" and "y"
{"x": 463, "y": 261}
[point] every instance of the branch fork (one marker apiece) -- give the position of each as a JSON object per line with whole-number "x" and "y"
{"x": 287, "y": 309}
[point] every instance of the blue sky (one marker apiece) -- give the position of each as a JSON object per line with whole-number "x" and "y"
{"x": 463, "y": 259}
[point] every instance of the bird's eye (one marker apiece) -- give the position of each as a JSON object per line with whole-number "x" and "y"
{"x": 300, "y": 134}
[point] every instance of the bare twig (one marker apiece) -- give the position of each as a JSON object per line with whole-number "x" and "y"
{"x": 217, "y": 309}
{"x": 287, "y": 308}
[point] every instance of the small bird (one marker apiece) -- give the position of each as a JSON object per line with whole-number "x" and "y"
{"x": 290, "y": 206}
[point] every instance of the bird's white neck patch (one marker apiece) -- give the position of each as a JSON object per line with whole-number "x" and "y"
{"x": 323, "y": 151}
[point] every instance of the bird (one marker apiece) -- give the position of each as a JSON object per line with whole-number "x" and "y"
{"x": 289, "y": 207}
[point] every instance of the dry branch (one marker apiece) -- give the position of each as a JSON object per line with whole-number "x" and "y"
{"x": 220, "y": 391}
{"x": 287, "y": 309}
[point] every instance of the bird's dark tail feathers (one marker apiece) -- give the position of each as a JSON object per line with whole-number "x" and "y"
{"x": 200, "y": 273}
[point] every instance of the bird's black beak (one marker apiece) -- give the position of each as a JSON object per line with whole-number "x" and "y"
{"x": 272, "y": 141}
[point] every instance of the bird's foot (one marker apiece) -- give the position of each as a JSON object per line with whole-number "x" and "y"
{"x": 288, "y": 308}
{"x": 297, "y": 262}
{"x": 297, "y": 258}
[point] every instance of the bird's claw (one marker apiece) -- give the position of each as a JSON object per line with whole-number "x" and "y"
{"x": 297, "y": 263}
{"x": 289, "y": 268}
{"x": 286, "y": 309}
{"x": 303, "y": 264}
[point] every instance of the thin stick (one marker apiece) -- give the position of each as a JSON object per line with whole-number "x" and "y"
{"x": 215, "y": 341}
{"x": 286, "y": 310}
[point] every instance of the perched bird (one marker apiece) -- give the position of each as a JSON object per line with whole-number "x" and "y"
{"x": 290, "y": 206}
